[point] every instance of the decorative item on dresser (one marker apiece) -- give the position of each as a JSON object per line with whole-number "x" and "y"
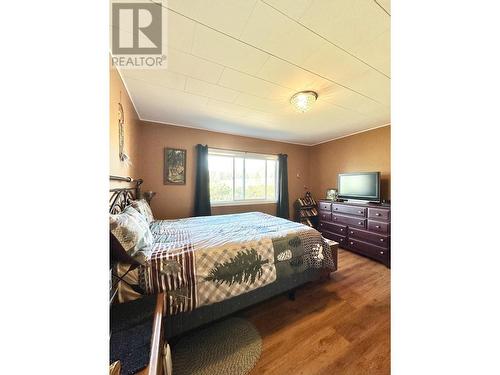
{"x": 306, "y": 211}
{"x": 331, "y": 194}
{"x": 362, "y": 228}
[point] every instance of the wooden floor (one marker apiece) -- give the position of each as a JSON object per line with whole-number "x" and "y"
{"x": 340, "y": 326}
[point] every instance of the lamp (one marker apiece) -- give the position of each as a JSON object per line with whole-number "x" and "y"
{"x": 303, "y": 100}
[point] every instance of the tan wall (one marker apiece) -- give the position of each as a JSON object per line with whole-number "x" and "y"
{"x": 363, "y": 152}
{"x": 175, "y": 201}
{"x": 132, "y": 123}
{"x": 316, "y": 166}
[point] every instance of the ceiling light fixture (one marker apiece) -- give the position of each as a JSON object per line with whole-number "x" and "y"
{"x": 303, "y": 100}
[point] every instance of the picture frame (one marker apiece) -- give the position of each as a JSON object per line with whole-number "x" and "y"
{"x": 174, "y": 166}
{"x": 331, "y": 194}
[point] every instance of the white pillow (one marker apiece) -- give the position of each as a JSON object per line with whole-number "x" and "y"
{"x": 143, "y": 207}
{"x": 131, "y": 230}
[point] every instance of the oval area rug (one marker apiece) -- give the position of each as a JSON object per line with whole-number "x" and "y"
{"x": 229, "y": 347}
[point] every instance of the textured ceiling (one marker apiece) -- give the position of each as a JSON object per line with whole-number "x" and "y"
{"x": 233, "y": 66}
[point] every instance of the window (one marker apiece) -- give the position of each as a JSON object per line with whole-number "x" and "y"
{"x": 242, "y": 177}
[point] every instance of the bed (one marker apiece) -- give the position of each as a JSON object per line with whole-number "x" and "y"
{"x": 211, "y": 266}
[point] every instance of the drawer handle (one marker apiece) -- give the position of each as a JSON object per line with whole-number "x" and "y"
{"x": 341, "y": 229}
{"x": 334, "y": 218}
{"x": 352, "y": 243}
{"x": 335, "y": 208}
{"x": 381, "y": 240}
{"x": 381, "y": 253}
{"x": 359, "y": 223}
{"x": 377, "y": 214}
{"x": 377, "y": 226}
{"x": 341, "y": 240}
{"x": 360, "y": 212}
{"x": 352, "y": 232}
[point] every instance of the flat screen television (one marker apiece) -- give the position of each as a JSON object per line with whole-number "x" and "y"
{"x": 360, "y": 186}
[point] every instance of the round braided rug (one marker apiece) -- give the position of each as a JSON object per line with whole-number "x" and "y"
{"x": 231, "y": 347}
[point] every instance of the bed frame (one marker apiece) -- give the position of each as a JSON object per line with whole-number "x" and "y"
{"x": 120, "y": 198}
{"x": 182, "y": 322}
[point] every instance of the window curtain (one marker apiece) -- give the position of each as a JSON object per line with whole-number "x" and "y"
{"x": 282, "y": 209}
{"x": 202, "y": 189}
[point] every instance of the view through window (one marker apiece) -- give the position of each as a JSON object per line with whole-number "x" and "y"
{"x": 240, "y": 176}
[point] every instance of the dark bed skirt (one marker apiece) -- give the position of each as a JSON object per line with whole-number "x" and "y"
{"x": 183, "y": 322}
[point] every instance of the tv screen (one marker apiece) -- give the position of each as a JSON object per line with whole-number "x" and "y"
{"x": 359, "y": 186}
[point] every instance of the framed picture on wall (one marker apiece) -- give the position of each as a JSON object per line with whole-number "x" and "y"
{"x": 174, "y": 166}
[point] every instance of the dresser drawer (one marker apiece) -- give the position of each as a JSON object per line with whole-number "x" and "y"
{"x": 368, "y": 249}
{"x": 325, "y": 216}
{"x": 379, "y": 214}
{"x": 349, "y": 220}
{"x": 335, "y": 228}
{"x": 379, "y": 227}
{"x": 341, "y": 240}
{"x": 325, "y": 206}
{"x": 349, "y": 210}
{"x": 374, "y": 238}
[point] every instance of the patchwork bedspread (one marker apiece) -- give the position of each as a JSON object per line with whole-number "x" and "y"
{"x": 203, "y": 260}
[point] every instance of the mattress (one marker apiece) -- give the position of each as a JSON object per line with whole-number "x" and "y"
{"x": 200, "y": 261}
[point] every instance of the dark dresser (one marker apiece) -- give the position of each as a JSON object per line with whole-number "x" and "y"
{"x": 362, "y": 228}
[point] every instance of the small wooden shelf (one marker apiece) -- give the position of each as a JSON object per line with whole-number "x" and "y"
{"x": 306, "y": 210}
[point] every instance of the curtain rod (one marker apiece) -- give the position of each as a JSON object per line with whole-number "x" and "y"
{"x": 245, "y": 152}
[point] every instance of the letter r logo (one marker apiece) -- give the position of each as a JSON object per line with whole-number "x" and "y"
{"x": 136, "y": 28}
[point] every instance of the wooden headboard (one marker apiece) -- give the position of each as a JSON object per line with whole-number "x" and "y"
{"x": 121, "y": 197}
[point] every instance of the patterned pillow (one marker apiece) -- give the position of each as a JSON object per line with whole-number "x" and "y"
{"x": 143, "y": 207}
{"x": 131, "y": 231}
